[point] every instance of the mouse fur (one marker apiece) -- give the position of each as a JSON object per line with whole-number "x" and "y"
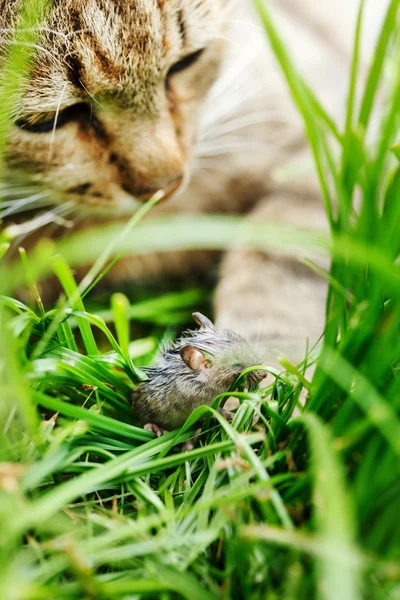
{"x": 200, "y": 365}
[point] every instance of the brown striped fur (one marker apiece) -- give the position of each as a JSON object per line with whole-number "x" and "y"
{"x": 135, "y": 130}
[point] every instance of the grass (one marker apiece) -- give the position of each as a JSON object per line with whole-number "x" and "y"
{"x": 305, "y": 503}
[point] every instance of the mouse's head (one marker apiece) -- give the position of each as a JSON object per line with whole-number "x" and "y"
{"x": 218, "y": 355}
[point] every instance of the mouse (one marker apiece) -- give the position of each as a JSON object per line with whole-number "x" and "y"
{"x": 192, "y": 372}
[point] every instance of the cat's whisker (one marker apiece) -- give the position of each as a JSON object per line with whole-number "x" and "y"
{"x": 264, "y": 355}
{"x": 223, "y": 38}
{"x": 19, "y": 193}
{"x": 91, "y": 95}
{"x": 232, "y": 36}
{"x": 207, "y": 149}
{"x": 231, "y": 92}
{"x": 204, "y": 165}
{"x": 17, "y": 206}
{"x": 76, "y": 32}
{"x": 239, "y": 72}
{"x": 219, "y": 117}
{"x": 57, "y": 215}
{"x": 38, "y": 47}
{"x": 73, "y": 220}
{"x": 50, "y": 225}
{"x": 78, "y": 219}
{"x": 233, "y": 125}
{"x": 258, "y": 338}
{"x": 233, "y": 97}
{"x": 53, "y": 133}
{"x": 15, "y": 30}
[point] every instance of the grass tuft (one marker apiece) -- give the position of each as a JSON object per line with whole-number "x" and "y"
{"x": 298, "y": 497}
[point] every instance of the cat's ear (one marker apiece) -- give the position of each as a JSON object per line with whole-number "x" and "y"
{"x": 194, "y": 359}
{"x": 202, "y": 321}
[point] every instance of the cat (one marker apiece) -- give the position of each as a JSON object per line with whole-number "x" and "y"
{"x": 126, "y": 98}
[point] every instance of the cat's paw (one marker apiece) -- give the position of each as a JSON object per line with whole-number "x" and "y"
{"x": 278, "y": 307}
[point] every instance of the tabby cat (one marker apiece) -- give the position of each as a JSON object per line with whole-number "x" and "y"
{"x": 127, "y": 97}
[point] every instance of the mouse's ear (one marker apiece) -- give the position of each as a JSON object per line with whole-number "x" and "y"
{"x": 193, "y": 358}
{"x": 202, "y": 321}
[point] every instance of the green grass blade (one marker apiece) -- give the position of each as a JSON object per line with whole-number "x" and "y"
{"x": 379, "y": 57}
{"x": 66, "y": 278}
{"x": 334, "y": 516}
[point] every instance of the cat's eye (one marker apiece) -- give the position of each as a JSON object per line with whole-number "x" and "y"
{"x": 77, "y": 112}
{"x": 185, "y": 63}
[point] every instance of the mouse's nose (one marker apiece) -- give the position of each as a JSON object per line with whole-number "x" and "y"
{"x": 169, "y": 187}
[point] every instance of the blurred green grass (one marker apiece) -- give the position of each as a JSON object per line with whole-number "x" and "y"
{"x": 304, "y": 504}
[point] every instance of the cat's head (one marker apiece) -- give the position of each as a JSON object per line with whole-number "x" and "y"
{"x": 111, "y": 106}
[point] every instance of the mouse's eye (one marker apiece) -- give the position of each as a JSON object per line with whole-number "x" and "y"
{"x": 185, "y": 63}
{"x": 48, "y": 122}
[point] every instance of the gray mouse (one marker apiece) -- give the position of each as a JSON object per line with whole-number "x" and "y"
{"x": 191, "y": 373}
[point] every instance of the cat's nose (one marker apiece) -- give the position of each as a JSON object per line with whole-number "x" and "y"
{"x": 169, "y": 187}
